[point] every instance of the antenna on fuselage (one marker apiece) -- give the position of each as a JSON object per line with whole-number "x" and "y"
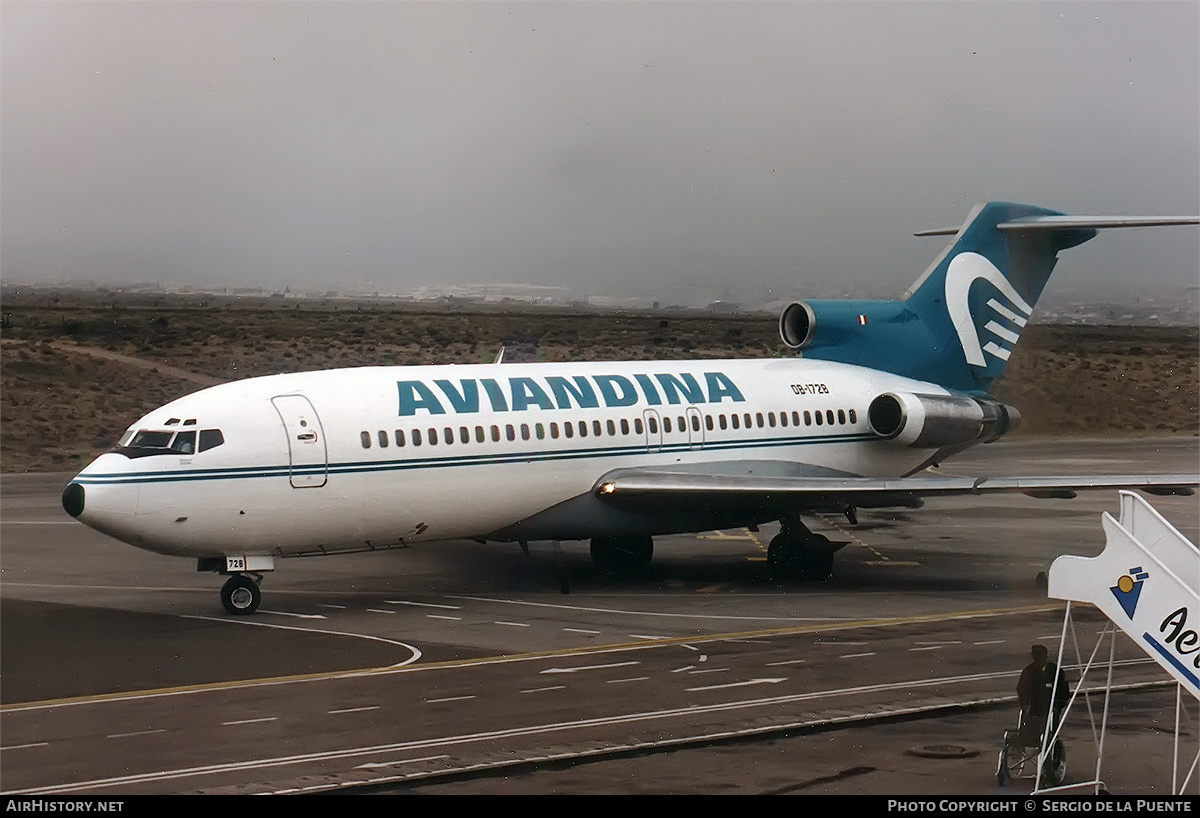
{"x": 499, "y": 356}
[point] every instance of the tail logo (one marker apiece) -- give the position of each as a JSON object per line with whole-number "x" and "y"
{"x": 1007, "y": 320}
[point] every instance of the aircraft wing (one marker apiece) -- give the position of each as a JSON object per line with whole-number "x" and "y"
{"x": 665, "y": 487}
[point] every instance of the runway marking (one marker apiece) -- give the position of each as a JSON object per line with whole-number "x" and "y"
{"x": 450, "y": 699}
{"x": 335, "y": 607}
{"x": 379, "y": 610}
{"x": 683, "y": 669}
{"x": 708, "y": 670}
{"x": 587, "y": 667}
{"x": 249, "y": 721}
{"x": 988, "y": 642}
{"x": 511, "y": 624}
{"x": 352, "y": 710}
{"x": 883, "y": 558}
{"x": 737, "y": 684}
{"x": 582, "y": 630}
{"x": 787, "y": 662}
{"x": 26, "y": 746}
{"x": 856, "y": 655}
{"x": 39, "y": 522}
{"x": 538, "y": 729}
{"x": 422, "y": 604}
{"x": 138, "y": 733}
{"x": 926, "y": 647}
{"x": 370, "y": 765}
{"x": 545, "y": 689}
{"x": 646, "y": 636}
{"x": 297, "y": 615}
{"x": 937, "y": 642}
{"x": 631, "y": 679}
{"x": 443, "y": 616}
{"x": 665, "y": 614}
{"x": 582, "y": 650}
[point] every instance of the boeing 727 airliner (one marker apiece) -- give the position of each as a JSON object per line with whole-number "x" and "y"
{"x": 376, "y": 457}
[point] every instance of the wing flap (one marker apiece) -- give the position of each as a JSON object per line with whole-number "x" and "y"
{"x": 865, "y": 492}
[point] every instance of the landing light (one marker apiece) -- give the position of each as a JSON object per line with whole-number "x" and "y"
{"x": 608, "y": 488}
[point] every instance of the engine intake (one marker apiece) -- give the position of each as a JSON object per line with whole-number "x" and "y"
{"x": 796, "y": 325}
{"x": 937, "y": 421}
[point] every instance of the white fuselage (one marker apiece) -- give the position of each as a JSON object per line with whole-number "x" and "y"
{"x": 377, "y": 456}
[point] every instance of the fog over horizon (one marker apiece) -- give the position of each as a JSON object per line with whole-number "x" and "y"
{"x": 674, "y": 151}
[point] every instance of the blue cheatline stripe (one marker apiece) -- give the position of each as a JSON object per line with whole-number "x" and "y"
{"x": 1191, "y": 677}
{"x": 367, "y": 466}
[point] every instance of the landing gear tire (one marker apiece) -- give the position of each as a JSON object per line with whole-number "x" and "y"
{"x": 622, "y": 555}
{"x": 241, "y": 595}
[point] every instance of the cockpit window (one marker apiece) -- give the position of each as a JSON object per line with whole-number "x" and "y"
{"x": 149, "y": 442}
{"x": 146, "y": 439}
{"x": 184, "y": 443}
{"x": 210, "y": 438}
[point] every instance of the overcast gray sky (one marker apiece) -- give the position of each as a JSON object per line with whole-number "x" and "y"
{"x": 616, "y": 148}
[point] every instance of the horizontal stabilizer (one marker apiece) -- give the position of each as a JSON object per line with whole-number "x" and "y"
{"x": 1074, "y": 223}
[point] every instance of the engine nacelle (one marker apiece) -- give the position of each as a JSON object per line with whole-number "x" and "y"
{"x": 937, "y": 421}
{"x": 796, "y": 325}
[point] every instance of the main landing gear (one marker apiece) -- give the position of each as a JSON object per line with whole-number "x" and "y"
{"x": 241, "y": 595}
{"x": 622, "y": 555}
{"x": 798, "y": 554}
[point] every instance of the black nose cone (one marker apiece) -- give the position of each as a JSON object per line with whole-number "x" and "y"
{"x": 72, "y": 499}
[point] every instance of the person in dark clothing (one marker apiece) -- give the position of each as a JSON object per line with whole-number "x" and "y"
{"x": 1040, "y": 680}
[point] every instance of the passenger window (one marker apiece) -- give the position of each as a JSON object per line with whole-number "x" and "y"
{"x": 554, "y": 430}
{"x": 737, "y": 423}
{"x": 583, "y": 428}
{"x": 612, "y": 428}
{"x": 696, "y": 423}
{"x": 210, "y": 439}
{"x": 771, "y": 419}
{"x": 524, "y": 431}
{"x": 783, "y": 418}
{"x": 184, "y": 443}
{"x": 757, "y": 416}
{"x": 819, "y": 420}
{"x": 432, "y": 437}
{"x": 807, "y": 418}
{"x": 666, "y": 424}
{"x": 365, "y": 437}
{"x": 746, "y": 418}
{"x": 637, "y": 426}
{"x": 510, "y": 432}
{"x": 596, "y": 428}
{"x": 796, "y": 418}
{"x": 682, "y": 424}
{"x": 399, "y": 437}
{"x": 540, "y": 431}
{"x": 624, "y": 426}
{"x": 464, "y": 434}
{"x": 653, "y": 426}
{"x": 495, "y": 434}
{"x": 416, "y": 436}
{"x": 853, "y": 416}
{"x": 841, "y": 417}
{"x": 708, "y": 422}
{"x": 569, "y": 429}
{"x": 721, "y": 422}
{"x": 383, "y": 439}
{"x": 479, "y": 435}
{"x": 829, "y": 416}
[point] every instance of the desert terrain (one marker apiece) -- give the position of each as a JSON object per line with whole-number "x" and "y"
{"x": 77, "y": 368}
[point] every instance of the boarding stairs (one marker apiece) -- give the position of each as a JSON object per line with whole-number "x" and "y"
{"x": 1147, "y": 582}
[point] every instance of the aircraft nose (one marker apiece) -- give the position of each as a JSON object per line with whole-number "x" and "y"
{"x": 72, "y": 499}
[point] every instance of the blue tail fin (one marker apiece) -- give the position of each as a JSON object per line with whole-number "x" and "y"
{"x": 956, "y": 326}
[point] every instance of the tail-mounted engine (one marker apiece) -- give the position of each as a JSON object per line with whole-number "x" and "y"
{"x": 937, "y": 421}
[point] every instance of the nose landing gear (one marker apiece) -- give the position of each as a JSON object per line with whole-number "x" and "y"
{"x": 241, "y": 595}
